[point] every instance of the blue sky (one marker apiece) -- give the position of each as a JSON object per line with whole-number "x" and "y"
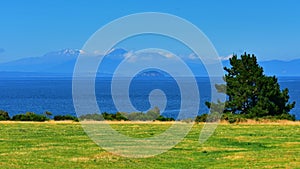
{"x": 270, "y": 29}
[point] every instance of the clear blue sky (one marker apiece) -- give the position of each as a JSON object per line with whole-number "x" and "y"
{"x": 270, "y": 29}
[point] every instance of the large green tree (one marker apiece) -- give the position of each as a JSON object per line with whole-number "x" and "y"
{"x": 251, "y": 92}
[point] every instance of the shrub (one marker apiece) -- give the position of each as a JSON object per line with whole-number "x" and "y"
{"x": 135, "y": 116}
{"x": 121, "y": 116}
{"x": 65, "y": 117}
{"x": 95, "y": 116}
{"x": 138, "y": 116}
{"x": 212, "y": 117}
{"x": 278, "y": 117}
{"x": 114, "y": 117}
{"x": 187, "y": 120}
{"x": 4, "y": 115}
{"x": 232, "y": 119}
{"x": 286, "y": 116}
{"x": 201, "y": 118}
{"x": 29, "y": 116}
{"x": 162, "y": 118}
{"x": 153, "y": 114}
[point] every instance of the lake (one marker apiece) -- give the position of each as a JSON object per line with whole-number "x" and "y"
{"x": 54, "y": 94}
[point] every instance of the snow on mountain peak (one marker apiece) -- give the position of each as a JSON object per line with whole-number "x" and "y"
{"x": 69, "y": 52}
{"x": 64, "y": 52}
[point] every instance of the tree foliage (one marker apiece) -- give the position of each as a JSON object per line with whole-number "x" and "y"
{"x": 4, "y": 115}
{"x": 65, "y": 117}
{"x": 251, "y": 92}
{"x": 151, "y": 115}
{"x": 29, "y": 116}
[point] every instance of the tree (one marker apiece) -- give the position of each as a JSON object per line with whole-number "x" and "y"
{"x": 4, "y": 115}
{"x": 252, "y": 93}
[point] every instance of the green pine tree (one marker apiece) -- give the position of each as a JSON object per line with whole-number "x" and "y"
{"x": 251, "y": 92}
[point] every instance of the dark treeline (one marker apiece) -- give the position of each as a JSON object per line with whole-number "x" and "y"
{"x": 237, "y": 118}
{"x": 151, "y": 115}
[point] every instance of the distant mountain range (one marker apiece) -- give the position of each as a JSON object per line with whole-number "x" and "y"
{"x": 53, "y": 62}
{"x": 61, "y": 63}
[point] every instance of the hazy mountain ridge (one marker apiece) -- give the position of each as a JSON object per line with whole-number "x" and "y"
{"x": 47, "y": 63}
{"x": 63, "y": 62}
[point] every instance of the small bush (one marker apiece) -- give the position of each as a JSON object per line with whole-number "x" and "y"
{"x": 241, "y": 120}
{"x": 114, "y": 117}
{"x": 138, "y": 116}
{"x": 153, "y": 114}
{"x": 121, "y": 116}
{"x": 162, "y": 118}
{"x": 29, "y": 116}
{"x": 65, "y": 117}
{"x": 95, "y": 116}
{"x": 212, "y": 117}
{"x": 201, "y": 118}
{"x": 4, "y": 115}
{"x": 232, "y": 119}
{"x": 278, "y": 117}
{"x": 286, "y": 116}
{"x": 188, "y": 120}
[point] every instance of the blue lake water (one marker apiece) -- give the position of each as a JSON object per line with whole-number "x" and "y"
{"x": 55, "y": 95}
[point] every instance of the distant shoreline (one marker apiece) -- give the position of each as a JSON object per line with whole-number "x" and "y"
{"x": 249, "y": 122}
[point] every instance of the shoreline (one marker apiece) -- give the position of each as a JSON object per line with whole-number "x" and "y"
{"x": 249, "y": 122}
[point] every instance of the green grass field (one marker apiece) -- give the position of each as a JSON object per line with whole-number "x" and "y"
{"x": 65, "y": 145}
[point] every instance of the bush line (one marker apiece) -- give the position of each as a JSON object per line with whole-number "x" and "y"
{"x": 152, "y": 115}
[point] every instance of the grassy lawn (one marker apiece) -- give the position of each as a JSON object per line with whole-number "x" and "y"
{"x": 65, "y": 145}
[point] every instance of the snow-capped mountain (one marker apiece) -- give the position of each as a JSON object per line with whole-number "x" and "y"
{"x": 50, "y": 62}
{"x": 63, "y": 53}
{"x": 63, "y": 62}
